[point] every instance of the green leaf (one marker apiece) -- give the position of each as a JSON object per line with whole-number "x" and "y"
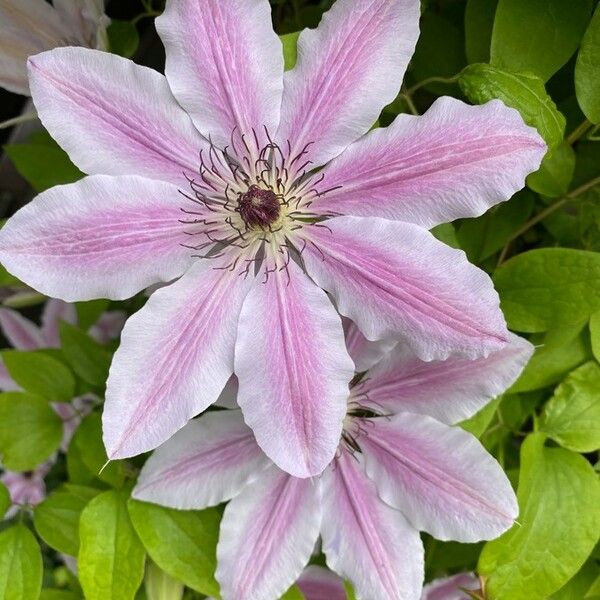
{"x": 578, "y": 586}
{"x": 554, "y": 176}
{"x": 479, "y": 21}
{"x": 111, "y": 557}
{"x": 49, "y": 594}
{"x": 190, "y": 554}
{"x": 538, "y": 35}
{"x": 548, "y": 288}
{"x": 572, "y": 416}
{"x": 595, "y": 334}
{"x": 482, "y": 237}
{"x": 56, "y": 519}
{"x": 293, "y": 593}
{"x": 20, "y": 564}
{"x": 41, "y": 374}
{"x": 161, "y": 586}
{"x": 594, "y": 591}
{"x": 523, "y": 91}
{"x": 446, "y": 233}
{"x": 5, "y": 501}
{"x": 89, "y": 312}
{"x": 30, "y": 431}
{"x": 123, "y": 38}
{"x": 290, "y": 49}
{"x": 87, "y": 444}
{"x": 587, "y": 71}
{"x": 42, "y": 162}
{"x": 87, "y": 357}
{"x": 480, "y": 421}
{"x": 559, "y": 497}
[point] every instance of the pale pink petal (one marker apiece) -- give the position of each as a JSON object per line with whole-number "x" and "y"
{"x": 454, "y": 161}
{"x": 451, "y": 588}
{"x": 348, "y": 69}
{"x": 34, "y": 20}
{"x": 7, "y": 383}
{"x": 22, "y": 333}
{"x": 395, "y": 280}
{"x": 363, "y": 352}
{"x": 224, "y": 64}
{"x": 293, "y": 371}
{"x": 176, "y": 354}
{"x": 123, "y": 119}
{"x": 268, "y": 534}
{"x": 365, "y": 540}
{"x": 441, "y": 477}
{"x": 71, "y": 421}
{"x": 207, "y": 462}
{"x": 55, "y": 311}
{"x": 317, "y": 583}
{"x": 102, "y": 237}
{"x": 450, "y": 390}
{"x": 16, "y": 49}
{"x": 108, "y": 327}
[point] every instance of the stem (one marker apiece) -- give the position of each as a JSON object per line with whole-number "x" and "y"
{"x": 18, "y": 120}
{"x": 410, "y": 104}
{"x": 429, "y": 80}
{"x": 545, "y": 213}
{"x": 579, "y": 131}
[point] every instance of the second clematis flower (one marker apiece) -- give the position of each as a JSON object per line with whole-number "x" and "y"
{"x": 401, "y": 467}
{"x": 256, "y": 191}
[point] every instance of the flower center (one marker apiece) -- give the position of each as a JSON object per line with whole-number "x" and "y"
{"x": 259, "y": 208}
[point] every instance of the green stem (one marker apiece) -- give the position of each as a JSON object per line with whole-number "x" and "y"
{"x": 579, "y": 131}
{"x": 25, "y": 118}
{"x": 429, "y": 80}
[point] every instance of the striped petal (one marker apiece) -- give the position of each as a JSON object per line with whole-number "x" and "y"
{"x": 56, "y": 311}
{"x": 22, "y": 333}
{"x": 451, "y": 588}
{"x": 365, "y": 353}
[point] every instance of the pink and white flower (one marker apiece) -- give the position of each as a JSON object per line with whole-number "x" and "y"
{"x": 26, "y": 488}
{"x": 452, "y": 588}
{"x": 28, "y": 27}
{"x": 392, "y": 476}
{"x": 209, "y": 176}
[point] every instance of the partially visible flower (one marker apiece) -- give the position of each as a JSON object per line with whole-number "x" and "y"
{"x": 28, "y": 27}
{"x": 401, "y": 467}
{"x": 451, "y": 588}
{"x": 25, "y": 488}
{"x": 317, "y": 583}
{"x": 211, "y": 178}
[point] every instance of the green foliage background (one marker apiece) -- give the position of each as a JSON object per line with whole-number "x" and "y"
{"x": 542, "y": 249}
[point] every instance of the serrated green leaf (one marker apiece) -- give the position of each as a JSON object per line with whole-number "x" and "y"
{"x": 548, "y": 288}
{"x": 559, "y": 498}
{"x": 190, "y": 555}
{"x": 587, "y": 71}
{"x": 87, "y": 358}
{"x": 111, "y": 557}
{"x": 37, "y": 372}
{"x": 56, "y": 519}
{"x": 555, "y": 174}
{"x": 522, "y": 91}
{"x": 123, "y": 38}
{"x": 479, "y": 21}
{"x": 538, "y": 35}
{"x": 20, "y": 564}
{"x": 572, "y": 415}
{"x": 30, "y": 431}
{"x": 290, "y": 49}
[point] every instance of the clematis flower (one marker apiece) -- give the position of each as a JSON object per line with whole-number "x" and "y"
{"x": 317, "y": 583}
{"x": 27, "y": 488}
{"x": 28, "y": 27}
{"x": 392, "y": 476}
{"x": 451, "y": 588}
{"x": 258, "y": 191}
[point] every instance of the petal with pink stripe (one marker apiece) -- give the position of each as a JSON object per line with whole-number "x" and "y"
{"x": 293, "y": 371}
{"x": 395, "y": 280}
{"x": 101, "y": 237}
{"x": 454, "y": 161}
{"x": 22, "y": 333}
{"x": 123, "y": 119}
{"x": 440, "y": 477}
{"x": 207, "y": 462}
{"x": 365, "y": 353}
{"x": 367, "y": 541}
{"x": 224, "y": 64}
{"x": 348, "y": 69}
{"x": 268, "y": 534}
{"x": 176, "y": 355}
{"x": 449, "y": 390}
{"x": 56, "y": 311}
{"x": 451, "y": 588}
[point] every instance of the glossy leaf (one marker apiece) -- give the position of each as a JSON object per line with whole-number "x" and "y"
{"x": 554, "y": 176}
{"x": 587, "y": 71}
{"x": 20, "y": 564}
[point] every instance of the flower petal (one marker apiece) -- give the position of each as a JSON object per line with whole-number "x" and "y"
{"x": 449, "y": 390}
{"x": 16, "y": 49}
{"x": 123, "y": 119}
{"x": 176, "y": 354}
{"x": 7, "y": 384}
{"x": 268, "y": 533}
{"x": 440, "y": 477}
{"x": 365, "y": 540}
{"x": 317, "y": 583}
{"x": 395, "y": 280}
{"x": 365, "y": 353}
{"x": 454, "y": 161}
{"x": 207, "y": 462}
{"x": 102, "y": 237}
{"x": 348, "y": 69}
{"x": 22, "y": 333}
{"x": 293, "y": 371}
{"x": 224, "y": 64}
{"x": 53, "y": 313}
{"x": 450, "y": 588}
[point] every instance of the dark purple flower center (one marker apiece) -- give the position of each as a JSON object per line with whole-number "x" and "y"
{"x": 258, "y": 207}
